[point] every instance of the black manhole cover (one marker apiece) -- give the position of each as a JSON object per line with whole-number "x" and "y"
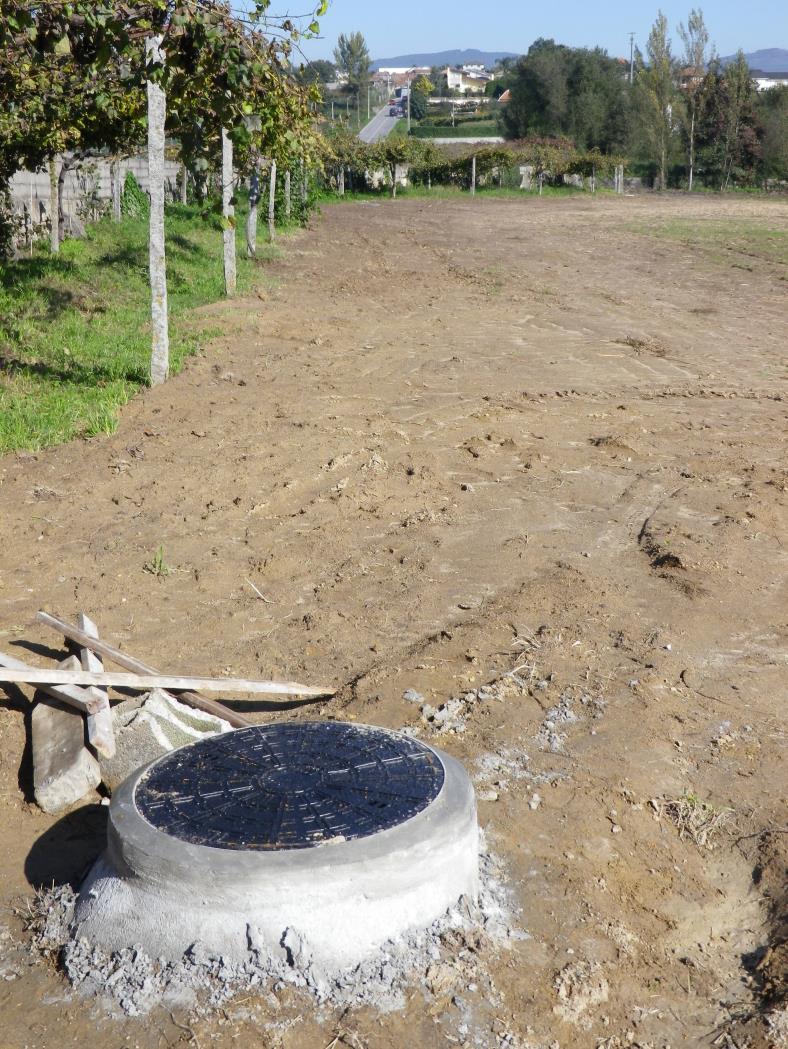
{"x": 289, "y": 786}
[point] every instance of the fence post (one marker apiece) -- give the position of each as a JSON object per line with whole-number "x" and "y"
{"x": 228, "y": 214}
{"x": 251, "y": 218}
{"x": 114, "y": 175}
{"x": 54, "y": 232}
{"x": 473, "y": 175}
{"x": 272, "y": 202}
{"x": 287, "y": 194}
{"x": 157, "y": 112}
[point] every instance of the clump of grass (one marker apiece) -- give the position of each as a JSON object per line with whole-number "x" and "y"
{"x": 157, "y": 565}
{"x": 75, "y": 327}
{"x": 699, "y": 820}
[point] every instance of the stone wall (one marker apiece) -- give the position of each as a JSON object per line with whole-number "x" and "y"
{"x": 30, "y": 189}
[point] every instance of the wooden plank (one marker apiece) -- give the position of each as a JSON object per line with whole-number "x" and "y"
{"x": 123, "y": 659}
{"x": 37, "y": 676}
{"x": 100, "y": 731}
{"x": 79, "y": 698}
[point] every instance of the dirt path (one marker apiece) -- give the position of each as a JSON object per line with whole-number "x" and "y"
{"x": 453, "y": 439}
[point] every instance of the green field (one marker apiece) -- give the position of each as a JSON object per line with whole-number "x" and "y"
{"x": 482, "y": 128}
{"x": 75, "y": 327}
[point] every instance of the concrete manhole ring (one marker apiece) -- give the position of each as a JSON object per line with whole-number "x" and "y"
{"x": 348, "y": 834}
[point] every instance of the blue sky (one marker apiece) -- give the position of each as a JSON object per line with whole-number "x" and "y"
{"x": 406, "y": 26}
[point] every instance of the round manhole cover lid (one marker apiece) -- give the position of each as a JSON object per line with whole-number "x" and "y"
{"x": 289, "y": 786}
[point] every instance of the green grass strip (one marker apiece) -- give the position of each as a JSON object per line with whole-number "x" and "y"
{"x": 75, "y": 327}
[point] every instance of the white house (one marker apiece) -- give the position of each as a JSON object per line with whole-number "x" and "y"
{"x": 763, "y": 81}
{"x": 468, "y": 78}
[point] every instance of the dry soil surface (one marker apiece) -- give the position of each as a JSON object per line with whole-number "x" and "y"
{"x": 450, "y": 441}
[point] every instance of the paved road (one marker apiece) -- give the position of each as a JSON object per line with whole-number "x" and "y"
{"x": 379, "y": 127}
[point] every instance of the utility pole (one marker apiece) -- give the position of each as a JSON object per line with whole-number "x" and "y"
{"x": 369, "y": 88}
{"x": 409, "y": 83}
{"x": 631, "y": 57}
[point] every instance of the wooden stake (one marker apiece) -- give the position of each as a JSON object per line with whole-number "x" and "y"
{"x": 69, "y": 694}
{"x": 100, "y": 732}
{"x": 123, "y": 659}
{"x": 37, "y": 676}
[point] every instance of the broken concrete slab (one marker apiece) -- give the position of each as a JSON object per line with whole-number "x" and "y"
{"x": 64, "y": 770}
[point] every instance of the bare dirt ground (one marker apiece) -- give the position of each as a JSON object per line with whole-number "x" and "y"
{"x": 452, "y": 439}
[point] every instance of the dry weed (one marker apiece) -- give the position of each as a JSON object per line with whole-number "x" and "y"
{"x": 699, "y": 820}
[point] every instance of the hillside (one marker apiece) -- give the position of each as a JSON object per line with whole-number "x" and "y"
{"x": 767, "y": 60}
{"x": 457, "y": 57}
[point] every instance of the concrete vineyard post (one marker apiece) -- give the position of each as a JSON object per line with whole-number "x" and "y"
{"x": 157, "y": 111}
{"x": 473, "y": 175}
{"x": 184, "y": 183}
{"x": 228, "y": 214}
{"x": 54, "y": 232}
{"x": 287, "y": 194}
{"x": 251, "y": 217}
{"x": 115, "y": 178}
{"x": 272, "y": 202}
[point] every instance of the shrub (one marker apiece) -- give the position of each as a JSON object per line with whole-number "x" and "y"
{"x": 133, "y": 201}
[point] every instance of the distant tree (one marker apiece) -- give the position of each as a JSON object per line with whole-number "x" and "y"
{"x": 539, "y": 93}
{"x": 742, "y": 147}
{"x": 656, "y": 95}
{"x": 695, "y": 37}
{"x": 772, "y": 111}
{"x": 557, "y": 90}
{"x": 420, "y": 91}
{"x": 729, "y": 145}
{"x": 597, "y": 110}
{"x": 352, "y": 57}
{"x": 318, "y": 72}
{"x": 505, "y": 65}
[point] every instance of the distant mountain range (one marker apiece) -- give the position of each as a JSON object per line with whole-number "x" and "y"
{"x": 446, "y": 58}
{"x": 769, "y": 60}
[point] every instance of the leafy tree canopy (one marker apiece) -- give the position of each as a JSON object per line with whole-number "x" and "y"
{"x": 319, "y": 71}
{"x": 352, "y": 58}
{"x": 80, "y": 68}
{"x": 558, "y": 90}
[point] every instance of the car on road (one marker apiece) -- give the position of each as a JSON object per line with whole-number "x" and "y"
{"x": 395, "y": 111}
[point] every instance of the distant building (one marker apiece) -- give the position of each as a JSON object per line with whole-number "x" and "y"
{"x": 689, "y": 76}
{"x": 468, "y": 79}
{"x": 763, "y": 81}
{"x": 398, "y": 76}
